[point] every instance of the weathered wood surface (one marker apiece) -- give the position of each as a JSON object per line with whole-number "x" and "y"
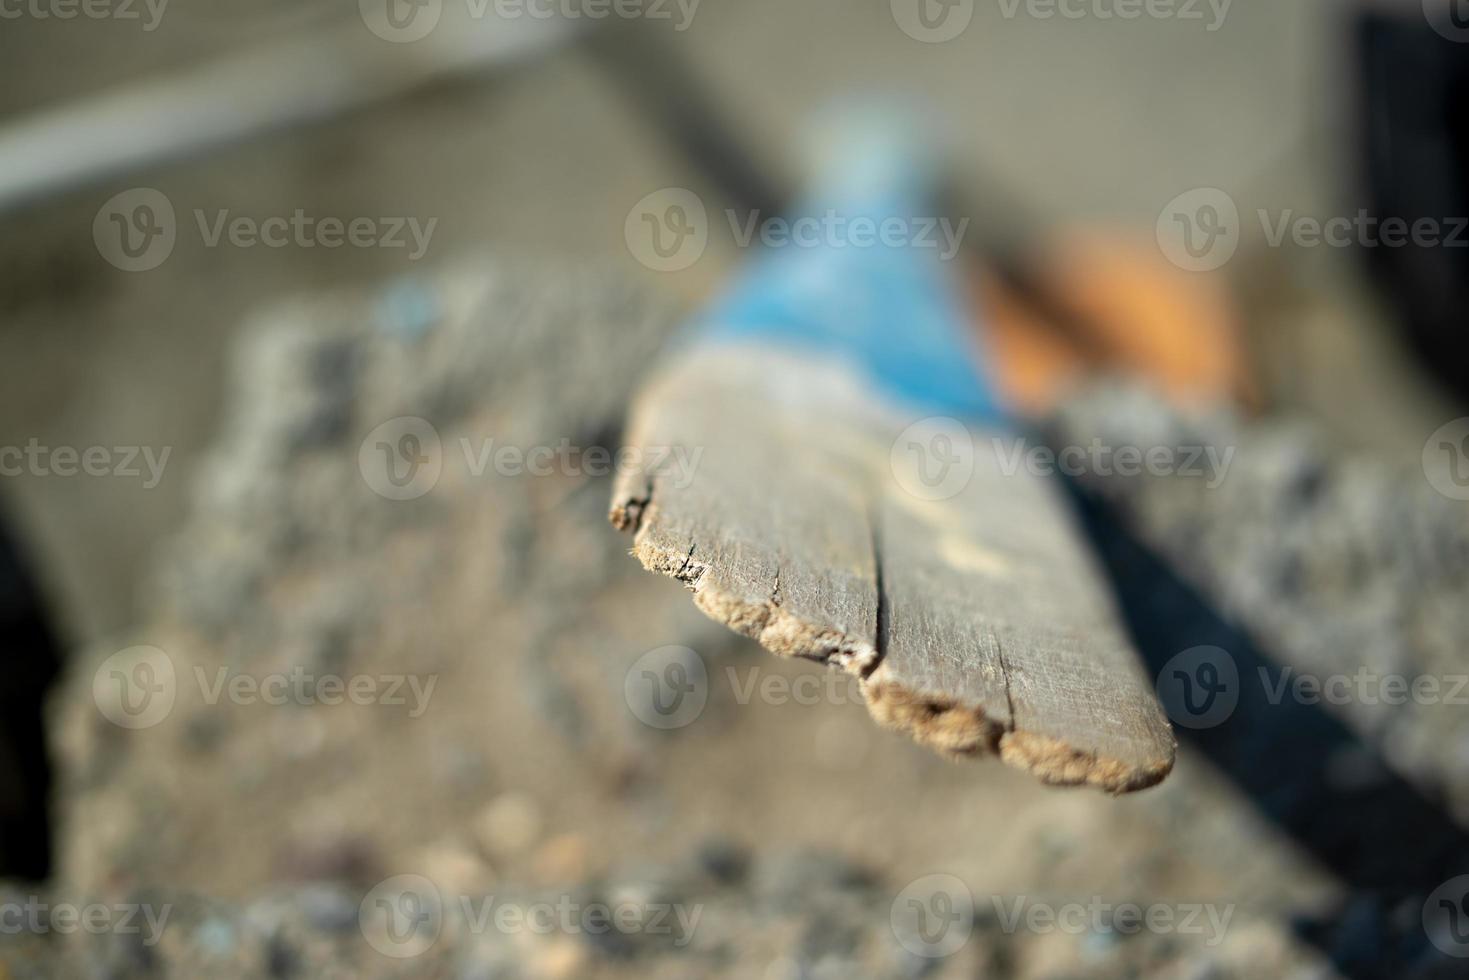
{"x": 978, "y": 623}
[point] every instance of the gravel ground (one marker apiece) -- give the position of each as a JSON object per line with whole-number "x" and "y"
{"x": 494, "y": 755}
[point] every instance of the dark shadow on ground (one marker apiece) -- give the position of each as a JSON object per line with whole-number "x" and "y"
{"x": 30, "y": 658}
{"x": 1386, "y": 841}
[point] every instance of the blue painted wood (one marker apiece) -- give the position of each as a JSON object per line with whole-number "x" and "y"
{"x": 889, "y": 308}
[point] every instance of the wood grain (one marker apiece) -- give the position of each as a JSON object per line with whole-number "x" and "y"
{"x": 977, "y": 623}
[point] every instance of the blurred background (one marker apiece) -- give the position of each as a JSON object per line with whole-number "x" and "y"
{"x": 239, "y": 239}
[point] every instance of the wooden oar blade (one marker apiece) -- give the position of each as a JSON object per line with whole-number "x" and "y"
{"x": 971, "y": 610}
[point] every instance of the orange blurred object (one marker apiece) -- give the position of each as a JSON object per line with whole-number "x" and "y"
{"x": 1112, "y": 303}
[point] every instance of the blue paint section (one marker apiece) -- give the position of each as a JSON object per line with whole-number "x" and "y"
{"x": 888, "y": 306}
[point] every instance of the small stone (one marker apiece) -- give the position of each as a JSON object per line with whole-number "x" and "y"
{"x": 562, "y": 858}
{"x": 328, "y": 908}
{"x": 407, "y": 309}
{"x": 724, "y": 860}
{"x": 509, "y": 823}
{"x": 454, "y": 869}
{"x": 327, "y": 854}
{"x": 281, "y": 958}
{"x": 216, "y": 938}
{"x": 790, "y": 879}
{"x": 559, "y": 959}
